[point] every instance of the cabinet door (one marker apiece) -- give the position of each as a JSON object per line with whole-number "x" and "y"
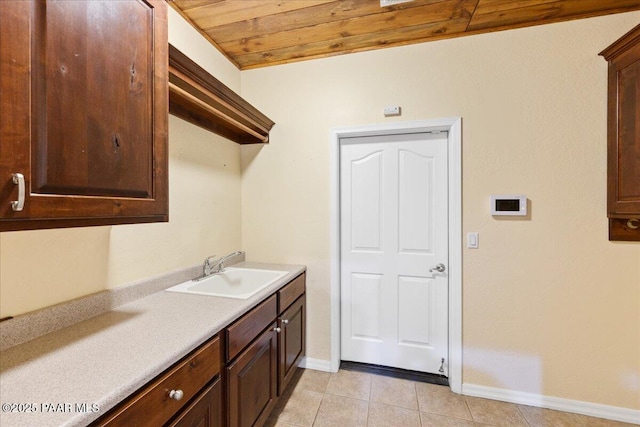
{"x": 624, "y": 144}
{"x": 84, "y": 111}
{"x": 205, "y": 411}
{"x": 623, "y": 152}
{"x": 252, "y": 382}
{"x": 291, "y": 342}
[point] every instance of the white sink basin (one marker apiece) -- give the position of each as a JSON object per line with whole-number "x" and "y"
{"x": 240, "y": 283}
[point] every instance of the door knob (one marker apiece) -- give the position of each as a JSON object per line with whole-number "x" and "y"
{"x": 439, "y": 268}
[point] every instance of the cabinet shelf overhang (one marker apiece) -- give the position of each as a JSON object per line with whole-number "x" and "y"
{"x": 199, "y": 98}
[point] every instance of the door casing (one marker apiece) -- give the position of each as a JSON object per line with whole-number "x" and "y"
{"x": 454, "y": 143}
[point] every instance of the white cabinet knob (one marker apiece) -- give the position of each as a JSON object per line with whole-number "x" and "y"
{"x": 176, "y": 394}
{"x": 285, "y": 321}
{"x": 277, "y": 330}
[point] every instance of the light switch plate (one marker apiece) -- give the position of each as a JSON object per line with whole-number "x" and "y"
{"x": 472, "y": 240}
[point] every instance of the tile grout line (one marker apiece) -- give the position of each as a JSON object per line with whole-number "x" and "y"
{"x": 366, "y": 421}
{"x": 315, "y": 418}
{"x": 466, "y": 404}
{"x": 524, "y": 417}
{"x": 324, "y": 393}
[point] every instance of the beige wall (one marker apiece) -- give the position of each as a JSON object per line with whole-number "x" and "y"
{"x": 45, "y": 267}
{"x": 550, "y": 305}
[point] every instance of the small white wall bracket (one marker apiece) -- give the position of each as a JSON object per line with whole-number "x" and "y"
{"x": 392, "y": 110}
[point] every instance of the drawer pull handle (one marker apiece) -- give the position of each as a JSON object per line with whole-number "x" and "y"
{"x": 285, "y": 321}
{"x": 277, "y": 330}
{"x": 176, "y": 394}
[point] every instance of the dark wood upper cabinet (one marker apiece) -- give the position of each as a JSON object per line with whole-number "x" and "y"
{"x": 623, "y": 152}
{"x": 201, "y": 99}
{"x": 84, "y": 112}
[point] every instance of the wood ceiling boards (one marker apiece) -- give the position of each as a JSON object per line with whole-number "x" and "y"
{"x": 258, "y": 33}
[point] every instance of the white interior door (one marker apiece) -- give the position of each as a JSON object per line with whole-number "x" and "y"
{"x": 393, "y": 228}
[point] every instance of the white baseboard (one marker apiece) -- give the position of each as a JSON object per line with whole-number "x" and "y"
{"x": 559, "y": 404}
{"x": 316, "y": 364}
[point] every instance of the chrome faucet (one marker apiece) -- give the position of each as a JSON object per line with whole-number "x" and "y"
{"x": 213, "y": 266}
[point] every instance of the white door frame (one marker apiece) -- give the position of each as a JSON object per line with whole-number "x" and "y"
{"x": 454, "y": 128}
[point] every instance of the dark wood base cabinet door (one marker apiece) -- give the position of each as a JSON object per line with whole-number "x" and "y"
{"x": 205, "y": 410}
{"x": 252, "y": 382}
{"x": 292, "y": 342}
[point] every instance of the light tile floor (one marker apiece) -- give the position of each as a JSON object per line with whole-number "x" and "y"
{"x": 353, "y": 399}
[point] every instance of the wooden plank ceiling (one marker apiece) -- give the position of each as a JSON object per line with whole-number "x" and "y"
{"x": 258, "y": 33}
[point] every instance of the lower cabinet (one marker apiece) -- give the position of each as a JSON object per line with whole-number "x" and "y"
{"x": 205, "y": 410}
{"x": 232, "y": 380}
{"x": 271, "y": 340}
{"x": 291, "y": 342}
{"x": 252, "y": 381}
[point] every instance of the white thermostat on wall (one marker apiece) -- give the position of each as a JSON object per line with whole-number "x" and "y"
{"x": 509, "y": 204}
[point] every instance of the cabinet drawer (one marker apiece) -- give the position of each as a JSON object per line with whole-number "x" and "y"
{"x": 152, "y": 405}
{"x": 249, "y": 326}
{"x": 288, "y": 294}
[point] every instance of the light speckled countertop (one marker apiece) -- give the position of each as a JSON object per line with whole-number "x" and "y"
{"x": 102, "y": 360}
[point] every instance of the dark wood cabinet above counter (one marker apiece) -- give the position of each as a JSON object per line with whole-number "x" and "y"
{"x": 623, "y": 152}
{"x": 199, "y": 98}
{"x": 83, "y": 135}
{"x": 87, "y": 87}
